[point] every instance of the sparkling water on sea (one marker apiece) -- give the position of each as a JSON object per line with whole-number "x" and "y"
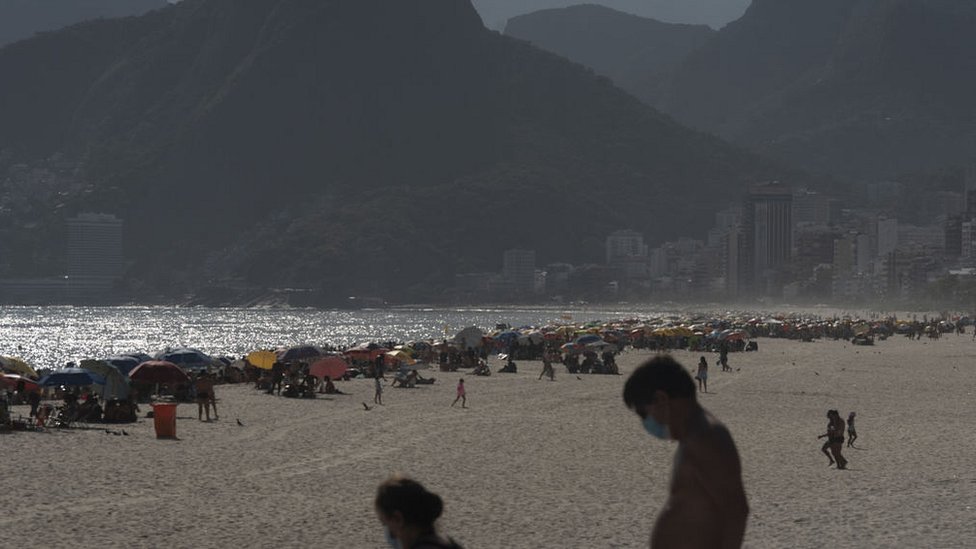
{"x": 49, "y": 337}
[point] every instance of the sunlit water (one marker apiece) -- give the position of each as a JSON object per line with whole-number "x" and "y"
{"x": 48, "y": 337}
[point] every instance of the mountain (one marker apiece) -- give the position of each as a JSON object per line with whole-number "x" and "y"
{"x": 863, "y": 89}
{"x": 867, "y": 88}
{"x": 635, "y": 52}
{"x": 20, "y": 19}
{"x": 357, "y": 147}
{"x": 715, "y": 13}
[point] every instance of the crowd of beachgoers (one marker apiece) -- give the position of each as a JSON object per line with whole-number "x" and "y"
{"x": 110, "y": 389}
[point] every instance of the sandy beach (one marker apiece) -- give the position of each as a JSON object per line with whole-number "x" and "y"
{"x": 528, "y": 464}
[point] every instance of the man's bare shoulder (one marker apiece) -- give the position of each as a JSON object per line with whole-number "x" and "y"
{"x": 711, "y": 443}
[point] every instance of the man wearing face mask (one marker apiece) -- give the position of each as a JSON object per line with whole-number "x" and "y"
{"x": 707, "y": 504}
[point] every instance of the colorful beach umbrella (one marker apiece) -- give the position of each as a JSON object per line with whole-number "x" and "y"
{"x": 158, "y": 371}
{"x": 13, "y": 380}
{"x": 332, "y": 366}
{"x": 262, "y": 359}
{"x": 17, "y": 366}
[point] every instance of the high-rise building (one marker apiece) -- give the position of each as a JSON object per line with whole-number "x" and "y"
{"x": 518, "y": 267}
{"x": 624, "y": 245}
{"x": 94, "y": 254}
{"x": 768, "y": 223}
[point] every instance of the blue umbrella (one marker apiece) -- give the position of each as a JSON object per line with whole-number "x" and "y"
{"x": 587, "y": 339}
{"x": 71, "y": 377}
{"x": 125, "y": 363}
{"x": 187, "y": 358}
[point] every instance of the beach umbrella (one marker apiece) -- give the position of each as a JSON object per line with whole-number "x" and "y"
{"x": 71, "y": 377}
{"x": 469, "y": 337}
{"x": 587, "y": 339}
{"x": 402, "y": 356}
{"x": 116, "y": 385}
{"x": 17, "y": 366}
{"x": 332, "y": 366}
{"x": 262, "y": 359}
{"x": 187, "y": 358}
{"x": 300, "y": 352}
{"x": 158, "y": 371}
{"x": 125, "y": 363}
{"x": 13, "y": 380}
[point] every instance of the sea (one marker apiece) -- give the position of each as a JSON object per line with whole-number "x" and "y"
{"x": 50, "y": 337}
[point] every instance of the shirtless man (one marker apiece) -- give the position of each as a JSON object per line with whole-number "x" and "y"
{"x": 204, "y": 387}
{"x": 707, "y": 504}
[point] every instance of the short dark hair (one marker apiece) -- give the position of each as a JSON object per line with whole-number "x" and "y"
{"x": 418, "y": 506}
{"x": 661, "y": 373}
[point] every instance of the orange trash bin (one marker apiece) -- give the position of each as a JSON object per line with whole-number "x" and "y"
{"x": 164, "y": 419}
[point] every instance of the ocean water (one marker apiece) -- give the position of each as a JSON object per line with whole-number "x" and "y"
{"x": 49, "y": 337}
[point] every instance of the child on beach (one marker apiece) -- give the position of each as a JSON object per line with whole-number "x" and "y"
{"x": 378, "y": 396}
{"x": 851, "y": 433}
{"x": 461, "y": 395}
{"x": 702, "y": 375}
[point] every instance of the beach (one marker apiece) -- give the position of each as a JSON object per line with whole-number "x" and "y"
{"x": 529, "y": 463}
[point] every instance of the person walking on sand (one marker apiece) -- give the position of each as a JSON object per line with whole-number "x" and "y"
{"x": 204, "y": 389}
{"x": 835, "y": 440}
{"x": 547, "y": 368}
{"x": 707, "y": 505}
{"x": 851, "y": 433}
{"x": 702, "y": 375}
{"x": 461, "y": 395}
{"x": 378, "y": 394}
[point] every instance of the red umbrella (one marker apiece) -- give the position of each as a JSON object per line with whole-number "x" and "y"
{"x": 332, "y": 366}
{"x": 12, "y": 380}
{"x": 158, "y": 371}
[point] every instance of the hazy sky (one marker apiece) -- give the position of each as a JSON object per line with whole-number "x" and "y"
{"x": 716, "y": 13}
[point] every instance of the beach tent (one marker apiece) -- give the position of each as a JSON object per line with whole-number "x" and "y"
{"x": 116, "y": 385}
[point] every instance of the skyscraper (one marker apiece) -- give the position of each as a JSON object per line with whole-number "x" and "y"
{"x": 518, "y": 267}
{"x": 768, "y": 223}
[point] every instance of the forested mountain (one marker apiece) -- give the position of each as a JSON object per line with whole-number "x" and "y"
{"x": 354, "y": 146}
{"x": 863, "y": 88}
{"x": 635, "y": 52}
{"x": 20, "y": 19}
{"x": 715, "y": 13}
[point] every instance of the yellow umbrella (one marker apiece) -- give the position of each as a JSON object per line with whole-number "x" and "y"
{"x": 17, "y": 366}
{"x": 262, "y": 359}
{"x": 402, "y": 356}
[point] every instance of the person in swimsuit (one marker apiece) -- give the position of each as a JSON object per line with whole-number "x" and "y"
{"x": 378, "y": 395}
{"x": 851, "y": 433}
{"x": 707, "y": 505}
{"x": 835, "y": 440}
{"x": 204, "y": 388}
{"x": 461, "y": 395}
{"x": 702, "y": 375}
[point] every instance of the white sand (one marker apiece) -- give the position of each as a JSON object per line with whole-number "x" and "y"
{"x": 529, "y": 464}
